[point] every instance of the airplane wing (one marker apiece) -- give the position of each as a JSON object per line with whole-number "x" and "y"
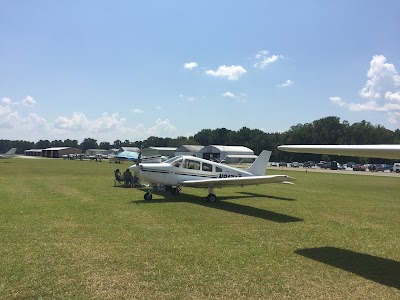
{"x": 235, "y": 181}
{"x": 378, "y": 151}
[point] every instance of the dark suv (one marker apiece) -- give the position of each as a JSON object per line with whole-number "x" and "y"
{"x": 377, "y": 168}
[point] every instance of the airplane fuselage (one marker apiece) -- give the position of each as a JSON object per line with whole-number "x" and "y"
{"x": 182, "y": 168}
{"x": 192, "y": 171}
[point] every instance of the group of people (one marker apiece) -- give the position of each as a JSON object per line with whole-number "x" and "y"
{"x": 127, "y": 177}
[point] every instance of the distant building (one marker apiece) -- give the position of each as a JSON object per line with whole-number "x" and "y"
{"x": 234, "y": 159}
{"x": 33, "y": 152}
{"x": 219, "y": 152}
{"x": 163, "y": 151}
{"x": 192, "y": 150}
{"x": 94, "y": 152}
{"x": 58, "y": 152}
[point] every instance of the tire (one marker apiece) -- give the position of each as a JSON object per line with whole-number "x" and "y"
{"x": 174, "y": 191}
{"x": 148, "y": 196}
{"x": 398, "y": 171}
{"x": 211, "y": 198}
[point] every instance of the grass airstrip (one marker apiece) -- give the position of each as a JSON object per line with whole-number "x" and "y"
{"x": 67, "y": 233}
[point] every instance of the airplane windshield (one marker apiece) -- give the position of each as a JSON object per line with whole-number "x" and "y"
{"x": 173, "y": 159}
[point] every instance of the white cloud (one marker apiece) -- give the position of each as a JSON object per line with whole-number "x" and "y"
{"x": 4, "y": 111}
{"x": 337, "y": 101}
{"x": 265, "y": 60}
{"x": 381, "y": 91}
{"x": 191, "y": 65}
{"x": 392, "y": 96}
{"x": 78, "y": 121}
{"x": 287, "y": 83}
{"x": 231, "y": 72}
{"x": 161, "y": 128}
{"x": 393, "y": 117}
{"x": 7, "y": 101}
{"x": 188, "y": 98}
{"x": 29, "y": 101}
{"x": 107, "y": 127}
{"x": 137, "y": 111}
{"x": 241, "y": 98}
{"x": 229, "y": 94}
{"x": 382, "y": 77}
{"x": 262, "y": 53}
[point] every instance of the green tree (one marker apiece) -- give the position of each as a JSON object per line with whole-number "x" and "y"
{"x": 57, "y": 143}
{"x": 42, "y": 144}
{"x": 105, "y": 145}
{"x": 203, "y": 137}
{"x": 71, "y": 143}
{"x": 88, "y": 143}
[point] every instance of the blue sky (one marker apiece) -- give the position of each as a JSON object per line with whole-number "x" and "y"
{"x": 113, "y": 70}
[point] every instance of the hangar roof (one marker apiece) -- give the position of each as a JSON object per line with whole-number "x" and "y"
{"x": 57, "y": 148}
{"x": 163, "y": 148}
{"x": 189, "y": 148}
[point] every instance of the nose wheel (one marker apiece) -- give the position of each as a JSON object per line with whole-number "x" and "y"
{"x": 148, "y": 196}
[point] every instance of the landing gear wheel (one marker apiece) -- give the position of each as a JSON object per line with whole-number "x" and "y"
{"x": 211, "y": 198}
{"x": 148, "y": 196}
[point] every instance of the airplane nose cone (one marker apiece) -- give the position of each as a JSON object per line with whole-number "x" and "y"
{"x": 135, "y": 168}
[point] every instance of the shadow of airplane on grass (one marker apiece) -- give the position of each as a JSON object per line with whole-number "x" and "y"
{"x": 227, "y": 206}
{"x": 381, "y": 270}
{"x": 266, "y": 196}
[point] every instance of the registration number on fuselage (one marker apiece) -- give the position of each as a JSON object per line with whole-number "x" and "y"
{"x": 228, "y": 175}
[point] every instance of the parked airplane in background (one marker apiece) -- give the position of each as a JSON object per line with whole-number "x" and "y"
{"x": 9, "y": 154}
{"x": 197, "y": 172}
{"x": 377, "y": 151}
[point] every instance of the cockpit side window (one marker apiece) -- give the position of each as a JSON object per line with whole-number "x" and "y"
{"x": 191, "y": 164}
{"x": 177, "y": 163}
{"x": 218, "y": 169}
{"x": 206, "y": 167}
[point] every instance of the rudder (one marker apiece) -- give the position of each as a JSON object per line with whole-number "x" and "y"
{"x": 260, "y": 164}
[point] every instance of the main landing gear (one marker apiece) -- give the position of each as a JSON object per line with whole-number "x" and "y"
{"x": 173, "y": 190}
{"x": 211, "y": 196}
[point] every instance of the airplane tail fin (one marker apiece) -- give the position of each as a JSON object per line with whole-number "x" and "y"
{"x": 11, "y": 151}
{"x": 260, "y": 164}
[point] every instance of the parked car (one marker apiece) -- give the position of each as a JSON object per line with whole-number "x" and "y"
{"x": 273, "y": 164}
{"x": 350, "y": 164}
{"x": 376, "y": 168}
{"x": 358, "y": 167}
{"x": 308, "y": 164}
{"x": 325, "y": 165}
{"x": 295, "y": 164}
{"x": 389, "y": 168}
{"x": 283, "y": 164}
{"x": 396, "y": 167}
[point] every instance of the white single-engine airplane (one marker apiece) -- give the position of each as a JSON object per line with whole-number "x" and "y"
{"x": 197, "y": 172}
{"x": 9, "y": 154}
{"x": 377, "y": 151}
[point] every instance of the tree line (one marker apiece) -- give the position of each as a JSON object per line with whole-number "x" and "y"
{"x": 328, "y": 130}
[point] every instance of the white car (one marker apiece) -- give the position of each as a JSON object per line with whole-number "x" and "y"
{"x": 396, "y": 167}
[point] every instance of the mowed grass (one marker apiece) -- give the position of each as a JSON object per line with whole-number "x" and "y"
{"x": 67, "y": 233}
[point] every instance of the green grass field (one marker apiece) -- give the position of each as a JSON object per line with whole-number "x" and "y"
{"x": 67, "y": 233}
